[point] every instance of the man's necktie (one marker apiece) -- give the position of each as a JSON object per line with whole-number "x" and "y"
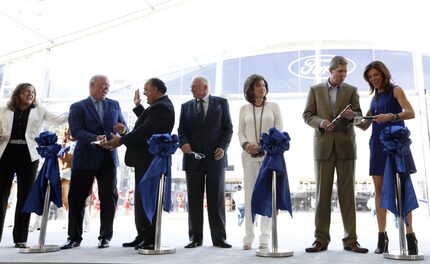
{"x": 200, "y": 111}
{"x": 333, "y": 94}
{"x": 99, "y": 108}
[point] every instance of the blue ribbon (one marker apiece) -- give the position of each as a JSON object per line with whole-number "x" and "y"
{"x": 48, "y": 149}
{"x": 162, "y": 146}
{"x": 274, "y": 143}
{"x": 63, "y": 151}
{"x": 399, "y": 161}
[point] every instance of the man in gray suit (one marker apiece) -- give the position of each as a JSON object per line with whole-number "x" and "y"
{"x": 330, "y": 108}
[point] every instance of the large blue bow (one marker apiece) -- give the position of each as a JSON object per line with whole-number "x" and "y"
{"x": 275, "y": 143}
{"x": 399, "y": 160}
{"x": 162, "y": 146}
{"x": 48, "y": 149}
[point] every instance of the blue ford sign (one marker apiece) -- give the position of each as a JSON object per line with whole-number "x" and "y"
{"x": 312, "y": 67}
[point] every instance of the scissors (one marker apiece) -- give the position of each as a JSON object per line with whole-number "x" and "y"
{"x": 98, "y": 142}
{"x": 357, "y": 119}
{"x": 198, "y": 155}
{"x": 339, "y": 115}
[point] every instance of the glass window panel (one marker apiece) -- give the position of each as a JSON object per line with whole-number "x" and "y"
{"x": 426, "y": 71}
{"x": 230, "y": 77}
{"x": 304, "y": 68}
{"x": 173, "y": 82}
{"x": 274, "y": 67}
{"x": 1, "y": 74}
{"x": 400, "y": 65}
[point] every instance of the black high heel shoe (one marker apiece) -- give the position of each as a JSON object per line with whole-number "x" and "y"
{"x": 412, "y": 244}
{"x": 382, "y": 246}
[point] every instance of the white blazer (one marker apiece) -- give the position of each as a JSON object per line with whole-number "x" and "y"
{"x": 34, "y": 127}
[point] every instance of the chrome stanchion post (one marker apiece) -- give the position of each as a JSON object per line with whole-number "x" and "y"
{"x": 274, "y": 216}
{"x": 274, "y": 252}
{"x": 402, "y": 254}
{"x": 158, "y": 249}
{"x": 41, "y": 247}
{"x": 400, "y": 218}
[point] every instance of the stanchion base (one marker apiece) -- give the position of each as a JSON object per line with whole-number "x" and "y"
{"x": 40, "y": 249}
{"x": 160, "y": 251}
{"x": 280, "y": 253}
{"x": 397, "y": 255}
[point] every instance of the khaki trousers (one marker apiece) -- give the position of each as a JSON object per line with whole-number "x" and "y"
{"x": 324, "y": 172}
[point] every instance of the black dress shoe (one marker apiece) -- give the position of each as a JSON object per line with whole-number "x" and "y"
{"x": 193, "y": 245}
{"x": 146, "y": 246}
{"x": 133, "y": 243}
{"x": 70, "y": 244}
{"x": 139, "y": 245}
{"x": 24, "y": 245}
{"x": 316, "y": 247}
{"x": 103, "y": 243}
{"x": 222, "y": 244}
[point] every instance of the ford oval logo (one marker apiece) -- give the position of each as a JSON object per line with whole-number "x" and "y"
{"x": 311, "y": 67}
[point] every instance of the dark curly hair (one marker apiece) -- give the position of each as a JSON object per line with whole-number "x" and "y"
{"x": 14, "y": 100}
{"x": 248, "y": 87}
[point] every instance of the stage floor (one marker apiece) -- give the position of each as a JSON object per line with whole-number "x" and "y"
{"x": 294, "y": 234}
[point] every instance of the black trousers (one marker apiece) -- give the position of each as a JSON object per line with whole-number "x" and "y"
{"x": 81, "y": 183}
{"x": 16, "y": 160}
{"x": 145, "y": 229}
{"x": 214, "y": 181}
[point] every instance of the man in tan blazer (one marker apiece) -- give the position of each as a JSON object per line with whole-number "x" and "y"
{"x": 330, "y": 108}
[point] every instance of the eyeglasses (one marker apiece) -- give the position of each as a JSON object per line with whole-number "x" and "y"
{"x": 198, "y": 155}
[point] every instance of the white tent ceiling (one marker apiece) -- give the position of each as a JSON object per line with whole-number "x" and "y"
{"x": 131, "y": 36}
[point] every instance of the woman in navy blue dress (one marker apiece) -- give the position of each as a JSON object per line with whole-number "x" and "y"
{"x": 389, "y": 106}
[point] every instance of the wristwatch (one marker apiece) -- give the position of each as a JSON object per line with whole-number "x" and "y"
{"x": 396, "y": 118}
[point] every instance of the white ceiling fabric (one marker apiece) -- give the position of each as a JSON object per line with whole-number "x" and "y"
{"x": 129, "y": 37}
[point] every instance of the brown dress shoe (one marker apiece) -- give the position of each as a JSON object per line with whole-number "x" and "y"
{"x": 355, "y": 247}
{"x": 316, "y": 247}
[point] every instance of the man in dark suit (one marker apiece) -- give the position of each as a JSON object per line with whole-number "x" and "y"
{"x": 94, "y": 120}
{"x": 334, "y": 148}
{"x": 158, "y": 118}
{"x": 205, "y": 127}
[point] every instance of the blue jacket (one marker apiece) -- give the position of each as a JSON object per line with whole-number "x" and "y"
{"x": 85, "y": 125}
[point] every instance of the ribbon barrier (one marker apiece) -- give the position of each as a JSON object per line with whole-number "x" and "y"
{"x": 46, "y": 189}
{"x": 271, "y": 191}
{"x": 398, "y": 194}
{"x": 158, "y": 177}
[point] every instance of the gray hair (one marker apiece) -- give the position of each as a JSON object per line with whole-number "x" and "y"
{"x": 336, "y": 61}
{"x": 202, "y": 78}
{"x": 95, "y": 77}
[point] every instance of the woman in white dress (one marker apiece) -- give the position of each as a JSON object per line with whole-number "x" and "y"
{"x": 255, "y": 118}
